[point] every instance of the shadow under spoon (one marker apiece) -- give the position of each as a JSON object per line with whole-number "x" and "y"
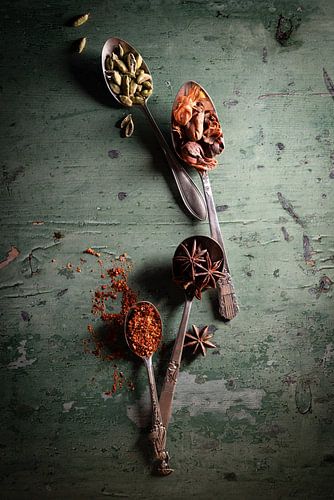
{"x": 128, "y": 68}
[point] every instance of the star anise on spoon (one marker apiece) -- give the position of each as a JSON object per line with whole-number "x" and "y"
{"x": 210, "y": 272}
{"x": 200, "y": 340}
{"x": 191, "y": 259}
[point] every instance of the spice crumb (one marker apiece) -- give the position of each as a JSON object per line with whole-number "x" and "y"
{"x": 91, "y": 251}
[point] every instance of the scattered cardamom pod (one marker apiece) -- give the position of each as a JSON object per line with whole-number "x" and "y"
{"x": 81, "y": 20}
{"x": 129, "y": 128}
{"x": 125, "y": 120}
{"x": 82, "y": 44}
{"x": 125, "y": 100}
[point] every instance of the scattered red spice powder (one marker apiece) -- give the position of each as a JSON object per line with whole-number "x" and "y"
{"x": 91, "y": 251}
{"x": 107, "y": 342}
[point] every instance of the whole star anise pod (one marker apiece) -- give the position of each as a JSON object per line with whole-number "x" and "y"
{"x": 200, "y": 340}
{"x": 190, "y": 260}
{"x": 210, "y": 273}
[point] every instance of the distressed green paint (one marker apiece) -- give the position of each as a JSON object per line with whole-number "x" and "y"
{"x": 57, "y": 126}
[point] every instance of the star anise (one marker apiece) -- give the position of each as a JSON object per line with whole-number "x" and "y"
{"x": 200, "y": 340}
{"x": 210, "y": 273}
{"x": 189, "y": 260}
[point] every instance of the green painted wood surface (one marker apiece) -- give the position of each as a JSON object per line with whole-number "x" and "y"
{"x": 252, "y": 420}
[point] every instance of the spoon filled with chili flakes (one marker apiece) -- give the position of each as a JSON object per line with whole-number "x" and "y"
{"x": 143, "y": 333}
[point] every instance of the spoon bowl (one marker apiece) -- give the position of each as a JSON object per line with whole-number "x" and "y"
{"x": 110, "y": 46}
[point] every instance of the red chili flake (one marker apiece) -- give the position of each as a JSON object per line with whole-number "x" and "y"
{"x": 91, "y": 251}
{"x": 78, "y": 270}
{"x": 107, "y": 341}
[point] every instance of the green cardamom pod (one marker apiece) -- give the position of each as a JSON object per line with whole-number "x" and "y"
{"x": 143, "y": 77}
{"x": 133, "y": 87}
{"x": 126, "y": 85}
{"x": 131, "y": 62}
{"x": 138, "y": 99}
{"x": 125, "y": 100}
{"x": 120, "y": 65}
{"x": 139, "y": 61}
{"x": 115, "y": 88}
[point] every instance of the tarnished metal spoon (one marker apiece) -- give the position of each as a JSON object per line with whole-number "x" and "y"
{"x": 190, "y": 194}
{"x": 227, "y": 298}
{"x": 139, "y": 314}
{"x": 194, "y": 245}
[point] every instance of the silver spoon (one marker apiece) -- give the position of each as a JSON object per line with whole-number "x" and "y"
{"x": 143, "y": 331}
{"x": 190, "y": 194}
{"x": 185, "y": 277}
{"x": 227, "y": 298}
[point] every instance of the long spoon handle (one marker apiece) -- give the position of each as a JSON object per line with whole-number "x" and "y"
{"x": 169, "y": 386}
{"x": 190, "y": 194}
{"x": 227, "y": 297}
{"x": 158, "y": 431}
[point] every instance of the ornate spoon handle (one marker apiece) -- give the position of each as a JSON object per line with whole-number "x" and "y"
{"x": 190, "y": 194}
{"x": 158, "y": 431}
{"x": 227, "y": 297}
{"x": 169, "y": 386}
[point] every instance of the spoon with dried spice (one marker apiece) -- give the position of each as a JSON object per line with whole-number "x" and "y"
{"x": 198, "y": 264}
{"x": 130, "y": 82}
{"x": 143, "y": 332}
{"x": 198, "y": 138}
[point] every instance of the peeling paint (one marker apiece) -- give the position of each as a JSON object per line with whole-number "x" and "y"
{"x": 12, "y": 254}
{"x": 21, "y": 361}
{"x": 68, "y": 406}
{"x": 212, "y": 396}
{"x": 328, "y": 354}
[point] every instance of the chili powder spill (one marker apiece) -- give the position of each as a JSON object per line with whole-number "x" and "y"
{"x": 107, "y": 342}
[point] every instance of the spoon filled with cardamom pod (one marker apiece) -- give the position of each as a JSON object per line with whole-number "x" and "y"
{"x": 130, "y": 82}
{"x": 197, "y": 139}
{"x": 143, "y": 332}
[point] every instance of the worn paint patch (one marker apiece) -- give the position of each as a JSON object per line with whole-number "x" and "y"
{"x": 113, "y": 153}
{"x": 68, "y": 406}
{"x": 12, "y": 254}
{"x": 286, "y": 205}
{"x": 328, "y": 82}
{"x": 212, "y": 396}
{"x": 308, "y": 251}
{"x": 328, "y": 354}
{"x": 21, "y": 361}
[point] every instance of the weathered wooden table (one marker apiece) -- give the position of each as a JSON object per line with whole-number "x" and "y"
{"x": 254, "y": 418}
